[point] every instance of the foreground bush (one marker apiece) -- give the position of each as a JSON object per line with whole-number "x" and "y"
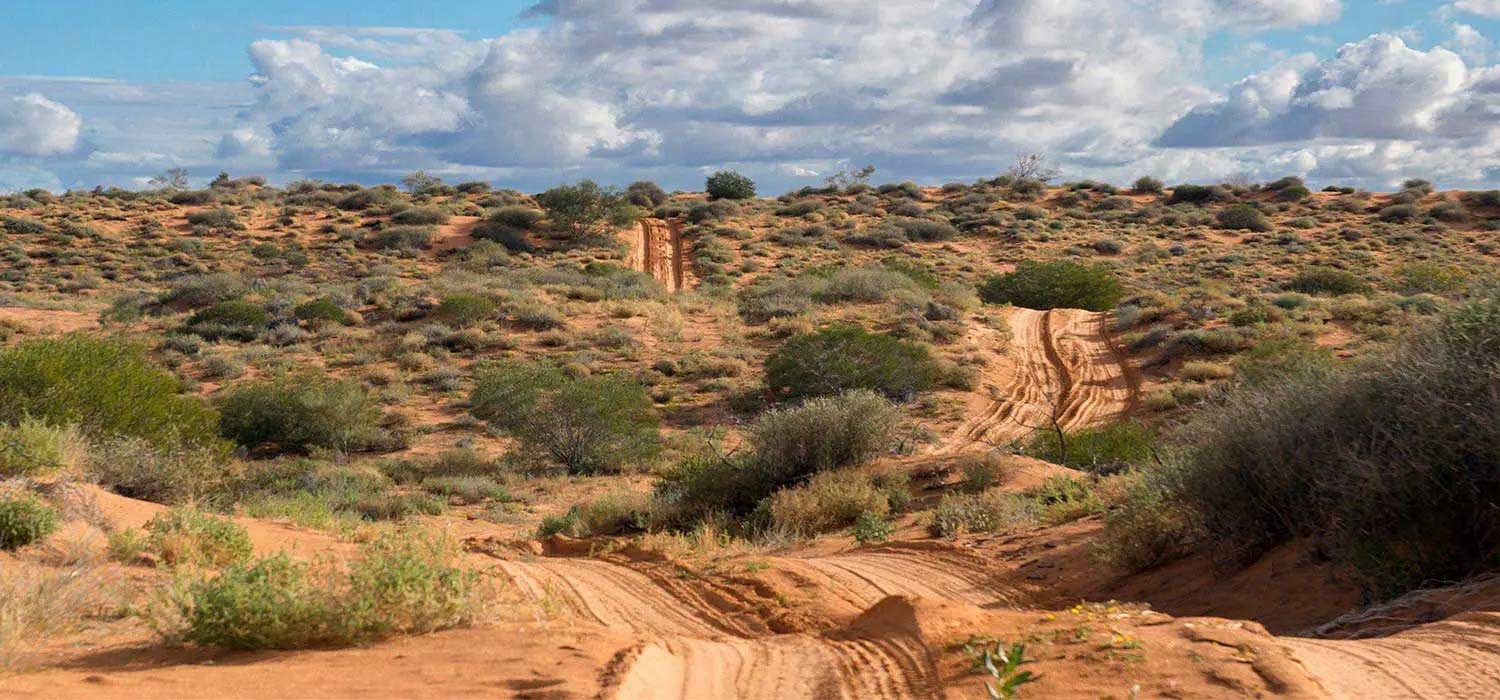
{"x": 786, "y": 446}
{"x": 1390, "y": 463}
{"x": 299, "y": 412}
{"x": 24, "y": 519}
{"x": 106, "y": 387}
{"x": 1055, "y": 285}
{"x": 402, "y": 584}
{"x": 590, "y": 425}
{"x": 1103, "y": 450}
{"x": 842, "y": 358}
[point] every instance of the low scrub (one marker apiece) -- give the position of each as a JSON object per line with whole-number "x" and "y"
{"x": 1104, "y": 450}
{"x": 191, "y": 537}
{"x": 842, "y": 358}
{"x": 34, "y": 448}
{"x": 1388, "y": 462}
{"x": 24, "y": 519}
{"x": 1327, "y": 280}
{"x": 298, "y": 412}
{"x": 1055, "y": 285}
{"x": 835, "y": 500}
{"x": 594, "y": 424}
{"x": 403, "y": 583}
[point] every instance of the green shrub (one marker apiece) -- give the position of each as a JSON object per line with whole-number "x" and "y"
{"x": 464, "y": 310}
{"x": 1055, "y": 285}
{"x": 1104, "y": 450}
{"x": 402, "y": 584}
{"x": 1399, "y": 213}
{"x": 992, "y": 511}
{"x": 300, "y": 411}
{"x": 1193, "y": 194}
{"x": 1243, "y": 217}
{"x": 508, "y": 226}
{"x": 1388, "y": 462}
{"x": 1327, "y": 280}
{"x": 601, "y": 423}
{"x": 586, "y": 210}
{"x": 407, "y": 238}
{"x": 1430, "y": 278}
{"x": 421, "y": 216}
{"x": 828, "y": 501}
{"x": 188, "y": 536}
{"x": 24, "y": 519}
{"x": 727, "y": 184}
{"x": 35, "y": 448}
{"x": 870, "y": 528}
{"x": 840, "y": 358}
{"x": 235, "y": 319}
{"x": 106, "y": 387}
{"x": 197, "y": 291}
{"x": 324, "y": 309}
{"x": 646, "y": 195}
{"x": 163, "y": 474}
{"x": 214, "y": 218}
{"x": 1281, "y": 358}
{"x": 1147, "y": 185}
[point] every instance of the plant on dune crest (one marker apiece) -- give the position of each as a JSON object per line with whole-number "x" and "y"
{"x": 1055, "y": 285}
{"x": 1002, "y": 663}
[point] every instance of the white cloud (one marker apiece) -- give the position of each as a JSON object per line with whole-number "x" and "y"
{"x": 1483, "y": 8}
{"x": 32, "y": 125}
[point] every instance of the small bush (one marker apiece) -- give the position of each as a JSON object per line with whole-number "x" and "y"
{"x": 300, "y": 411}
{"x": 402, "y": 584}
{"x": 34, "y": 448}
{"x": 1398, "y": 213}
{"x": 323, "y": 309}
{"x": 235, "y": 319}
{"x": 1055, "y": 285}
{"x": 1193, "y": 194}
{"x": 1243, "y": 217}
{"x": 841, "y": 358}
{"x": 1106, "y": 450}
{"x": 1281, "y": 358}
{"x": 1327, "y": 280}
{"x": 162, "y": 474}
{"x": 1430, "y": 278}
{"x": 187, "y": 536}
{"x": 106, "y": 387}
{"x": 595, "y": 424}
{"x": 727, "y": 184}
{"x": 214, "y": 218}
{"x": 992, "y": 511}
{"x": 1147, "y": 185}
{"x": 403, "y": 238}
{"x": 827, "y": 502}
{"x": 464, "y": 310}
{"x": 586, "y": 210}
{"x": 202, "y": 290}
{"x": 421, "y": 216}
{"x": 24, "y": 519}
{"x": 646, "y": 195}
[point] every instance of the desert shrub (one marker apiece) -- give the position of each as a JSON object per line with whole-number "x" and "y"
{"x": 801, "y": 207}
{"x": 840, "y": 358}
{"x": 421, "y": 216}
{"x": 1104, "y": 450}
{"x": 24, "y": 519}
{"x": 189, "y": 536}
{"x": 1387, "y": 462}
{"x": 1053, "y": 285}
{"x": 727, "y": 184}
{"x": 197, "y": 291}
{"x": 779, "y": 298}
{"x": 401, "y": 584}
{"x": 864, "y": 284}
{"x": 595, "y": 424}
{"x": 1281, "y": 358}
{"x": 801, "y": 235}
{"x": 234, "y": 319}
{"x": 518, "y": 216}
{"x": 1243, "y": 217}
{"x": 508, "y": 226}
{"x": 214, "y": 218}
{"x": 106, "y": 387}
{"x": 992, "y": 511}
{"x": 586, "y": 209}
{"x": 786, "y": 446}
{"x": 163, "y": 474}
{"x": 463, "y": 310}
{"x": 297, "y": 412}
{"x": 925, "y": 229}
{"x": 1327, "y": 280}
{"x": 362, "y": 199}
{"x": 323, "y": 309}
{"x": 828, "y": 501}
{"x": 1147, "y": 185}
{"x": 646, "y": 195}
{"x": 1430, "y": 278}
{"x": 407, "y": 238}
{"x": 1398, "y": 213}
{"x": 1193, "y": 194}
{"x": 466, "y": 489}
{"x": 32, "y": 447}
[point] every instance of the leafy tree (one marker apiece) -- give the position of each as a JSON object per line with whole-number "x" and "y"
{"x": 172, "y": 179}
{"x": 420, "y": 182}
{"x": 841, "y": 358}
{"x": 586, "y": 210}
{"x": 728, "y": 184}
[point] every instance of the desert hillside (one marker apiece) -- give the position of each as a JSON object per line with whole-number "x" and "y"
{"x": 1008, "y": 439}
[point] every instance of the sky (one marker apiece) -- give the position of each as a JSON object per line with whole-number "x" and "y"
{"x": 530, "y": 94}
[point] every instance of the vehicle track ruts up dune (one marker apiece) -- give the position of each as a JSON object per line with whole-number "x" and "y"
{"x": 1061, "y": 365}
{"x": 656, "y": 249}
{"x": 1456, "y": 659}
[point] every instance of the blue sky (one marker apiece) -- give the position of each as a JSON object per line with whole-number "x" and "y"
{"x": 789, "y": 91}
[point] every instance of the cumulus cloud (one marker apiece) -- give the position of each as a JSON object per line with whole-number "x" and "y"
{"x": 32, "y": 125}
{"x": 1483, "y": 8}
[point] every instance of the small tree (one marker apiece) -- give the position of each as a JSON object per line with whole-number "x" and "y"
{"x": 850, "y": 176}
{"x": 586, "y": 210}
{"x": 1055, "y": 285}
{"x": 171, "y": 180}
{"x": 1032, "y": 166}
{"x": 420, "y": 182}
{"x": 842, "y": 358}
{"x": 728, "y": 184}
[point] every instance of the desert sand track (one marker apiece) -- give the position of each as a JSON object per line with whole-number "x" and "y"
{"x": 1061, "y": 367}
{"x": 656, "y": 249}
{"x": 704, "y": 644}
{"x": 1456, "y": 659}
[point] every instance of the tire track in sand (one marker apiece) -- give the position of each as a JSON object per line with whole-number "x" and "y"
{"x": 697, "y": 650}
{"x": 1456, "y": 659}
{"x": 1060, "y": 363}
